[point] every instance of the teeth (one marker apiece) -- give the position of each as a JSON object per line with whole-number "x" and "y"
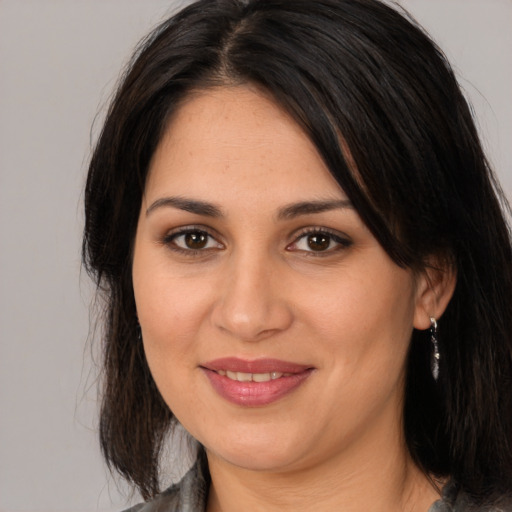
{"x": 252, "y": 377}
{"x": 261, "y": 377}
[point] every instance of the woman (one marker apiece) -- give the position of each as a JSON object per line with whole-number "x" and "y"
{"x": 305, "y": 263}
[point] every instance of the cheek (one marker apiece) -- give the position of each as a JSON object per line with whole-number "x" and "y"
{"x": 365, "y": 331}
{"x": 170, "y": 321}
{"x": 170, "y": 313}
{"x": 364, "y": 319}
{"x": 170, "y": 308}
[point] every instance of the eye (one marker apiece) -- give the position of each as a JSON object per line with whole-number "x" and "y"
{"x": 320, "y": 241}
{"x": 192, "y": 240}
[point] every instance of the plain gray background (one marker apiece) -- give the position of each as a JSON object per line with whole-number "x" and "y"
{"x": 59, "y": 60}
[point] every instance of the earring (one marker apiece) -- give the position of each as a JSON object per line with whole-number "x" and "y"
{"x": 434, "y": 359}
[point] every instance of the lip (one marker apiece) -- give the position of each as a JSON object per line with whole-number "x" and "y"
{"x": 253, "y": 394}
{"x": 235, "y": 364}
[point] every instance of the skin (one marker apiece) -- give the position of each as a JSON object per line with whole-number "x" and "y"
{"x": 258, "y": 289}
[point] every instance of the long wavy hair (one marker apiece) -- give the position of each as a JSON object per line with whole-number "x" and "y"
{"x": 351, "y": 70}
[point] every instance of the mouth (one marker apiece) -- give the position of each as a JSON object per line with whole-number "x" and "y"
{"x": 252, "y": 377}
{"x": 255, "y": 383}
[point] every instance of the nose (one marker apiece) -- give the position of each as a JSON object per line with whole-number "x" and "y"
{"x": 252, "y": 303}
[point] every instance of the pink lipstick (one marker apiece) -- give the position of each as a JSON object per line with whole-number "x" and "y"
{"x": 254, "y": 383}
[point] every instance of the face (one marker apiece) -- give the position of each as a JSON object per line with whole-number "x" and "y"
{"x": 275, "y": 326}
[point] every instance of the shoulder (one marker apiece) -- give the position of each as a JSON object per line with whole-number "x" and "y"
{"x": 188, "y": 495}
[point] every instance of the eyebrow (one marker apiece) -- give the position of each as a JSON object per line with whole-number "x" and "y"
{"x": 286, "y": 213}
{"x": 310, "y": 207}
{"x": 188, "y": 205}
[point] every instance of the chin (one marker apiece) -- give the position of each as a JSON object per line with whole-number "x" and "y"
{"x": 258, "y": 459}
{"x": 257, "y": 453}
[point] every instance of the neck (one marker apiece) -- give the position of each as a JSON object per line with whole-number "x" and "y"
{"x": 378, "y": 476}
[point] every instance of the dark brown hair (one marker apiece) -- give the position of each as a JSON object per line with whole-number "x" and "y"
{"x": 360, "y": 69}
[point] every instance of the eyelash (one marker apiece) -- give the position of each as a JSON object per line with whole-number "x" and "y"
{"x": 342, "y": 241}
{"x": 170, "y": 238}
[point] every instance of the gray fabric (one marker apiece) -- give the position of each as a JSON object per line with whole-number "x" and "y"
{"x": 453, "y": 500}
{"x": 191, "y": 493}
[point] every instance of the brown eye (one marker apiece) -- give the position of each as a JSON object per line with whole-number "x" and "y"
{"x": 196, "y": 240}
{"x": 319, "y": 242}
{"x": 192, "y": 240}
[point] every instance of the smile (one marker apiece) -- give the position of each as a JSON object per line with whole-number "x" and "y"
{"x": 252, "y": 377}
{"x": 255, "y": 383}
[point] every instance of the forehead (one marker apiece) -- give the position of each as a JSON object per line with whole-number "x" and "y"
{"x": 239, "y": 140}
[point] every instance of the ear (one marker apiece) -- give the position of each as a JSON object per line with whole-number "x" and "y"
{"x": 434, "y": 289}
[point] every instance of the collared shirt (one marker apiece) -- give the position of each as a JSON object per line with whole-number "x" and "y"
{"x": 191, "y": 495}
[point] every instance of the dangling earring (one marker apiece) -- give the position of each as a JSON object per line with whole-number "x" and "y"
{"x": 434, "y": 359}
